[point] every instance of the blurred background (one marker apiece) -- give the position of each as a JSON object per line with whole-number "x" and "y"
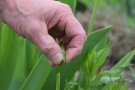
{"x": 120, "y": 14}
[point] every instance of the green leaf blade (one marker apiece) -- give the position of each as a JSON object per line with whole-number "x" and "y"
{"x": 67, "y": 70}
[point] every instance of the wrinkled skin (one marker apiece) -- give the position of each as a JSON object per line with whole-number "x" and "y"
{"x": 41, "y": 22}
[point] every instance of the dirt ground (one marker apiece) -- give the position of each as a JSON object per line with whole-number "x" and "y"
{"x": 121, "y": 38}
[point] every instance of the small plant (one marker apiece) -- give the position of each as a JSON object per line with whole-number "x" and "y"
{"x": 23, "y": 67}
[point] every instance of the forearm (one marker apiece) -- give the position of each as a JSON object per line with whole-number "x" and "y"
{"x": 6, "y": 5}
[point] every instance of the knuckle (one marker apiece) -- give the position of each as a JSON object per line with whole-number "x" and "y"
{"x": 24, "y": 31}
{"x": 46, "y": 44}
{"x": 64, "y": 7}
{"x": 20, "y": 29}
{"x": 27, "y": 27}
{"x": 83, "y": 36}
{"x": 32, "y": 31}
{"x": 48, "y": 47}
{"x": 28, "y": 31}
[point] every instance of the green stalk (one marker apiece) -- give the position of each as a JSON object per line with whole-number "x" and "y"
{"x": 58, "y": 81}
{"x": 63, "y": 52}
{"x": 38, "y": 75}
{"x": 92, "y": 21}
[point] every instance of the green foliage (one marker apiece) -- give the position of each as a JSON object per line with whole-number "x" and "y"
{"x": 124, "y": 62}
{"x": 37, "y": 76}
{"x": 23, "y": 67}
{"x": 12, "y": 73}
{"x": 25, "y": 75}
{"x": 58, "y": 81}
{"x": 67, "y": 70}
{"x": 132, "y": 73}
{"x": 91, "y": 25}
{"x": 102, "y": 3}
{"x": 91, "y": 77}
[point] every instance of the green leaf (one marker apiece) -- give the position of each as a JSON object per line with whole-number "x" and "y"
{"x": 38, "y": 75}
{"x": 32, "y": 55}
{"x": 132, "y": 73}
{"x": 19, "y": 74}
{"x": 102, "y": 55}
{"x": 58, "y": 81}
{"x": 20, "y": 63}
{"x": 12, "y": 62}
{"x": 123, "y": 63}
{"x": 67, "y": 70}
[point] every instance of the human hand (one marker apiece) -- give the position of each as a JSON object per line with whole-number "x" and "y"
{"x": 41, "y": 22}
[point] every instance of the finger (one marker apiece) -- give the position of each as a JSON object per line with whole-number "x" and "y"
{"x": 77, "y": 36}
{"x": 74, "y": 32}
{"x": 50, "y": 48}
{"x": 39, "y": 36}
{"x": 74, "y": 35}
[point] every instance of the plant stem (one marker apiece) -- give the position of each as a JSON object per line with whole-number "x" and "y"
{"x": 92, "y": 21}
{"x": 58, "y": 81}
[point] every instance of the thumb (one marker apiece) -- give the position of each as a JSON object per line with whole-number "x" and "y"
{"x": 51, "y": 49}
{"x": 46, "y": 43}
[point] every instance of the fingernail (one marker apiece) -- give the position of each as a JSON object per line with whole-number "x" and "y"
{"x": 56, "y": 59}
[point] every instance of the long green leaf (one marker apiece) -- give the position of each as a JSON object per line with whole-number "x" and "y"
{"x": 12, "y": 63}
{"x": 123, "y": 63}
{"x": 32, "y": 55}
{"x": 37, "y": 76}
{"x": 67, "y": 70}
{"x": 19, "y": 74}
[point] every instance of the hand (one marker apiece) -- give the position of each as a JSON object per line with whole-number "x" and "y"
{"x": 41, "y": 22}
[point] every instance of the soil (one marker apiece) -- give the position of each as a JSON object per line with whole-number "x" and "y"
{"x": 121, "y": 36}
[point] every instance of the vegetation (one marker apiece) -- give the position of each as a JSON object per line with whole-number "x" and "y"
{"x": 23, "y": 67}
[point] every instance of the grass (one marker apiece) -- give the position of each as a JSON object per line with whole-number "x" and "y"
{"x": 91, "y": 25}
{"x": 23, "y": 67}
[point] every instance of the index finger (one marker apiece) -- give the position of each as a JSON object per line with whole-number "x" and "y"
{"x": 77, "y": 36}
{"x": 74, "y": 32}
